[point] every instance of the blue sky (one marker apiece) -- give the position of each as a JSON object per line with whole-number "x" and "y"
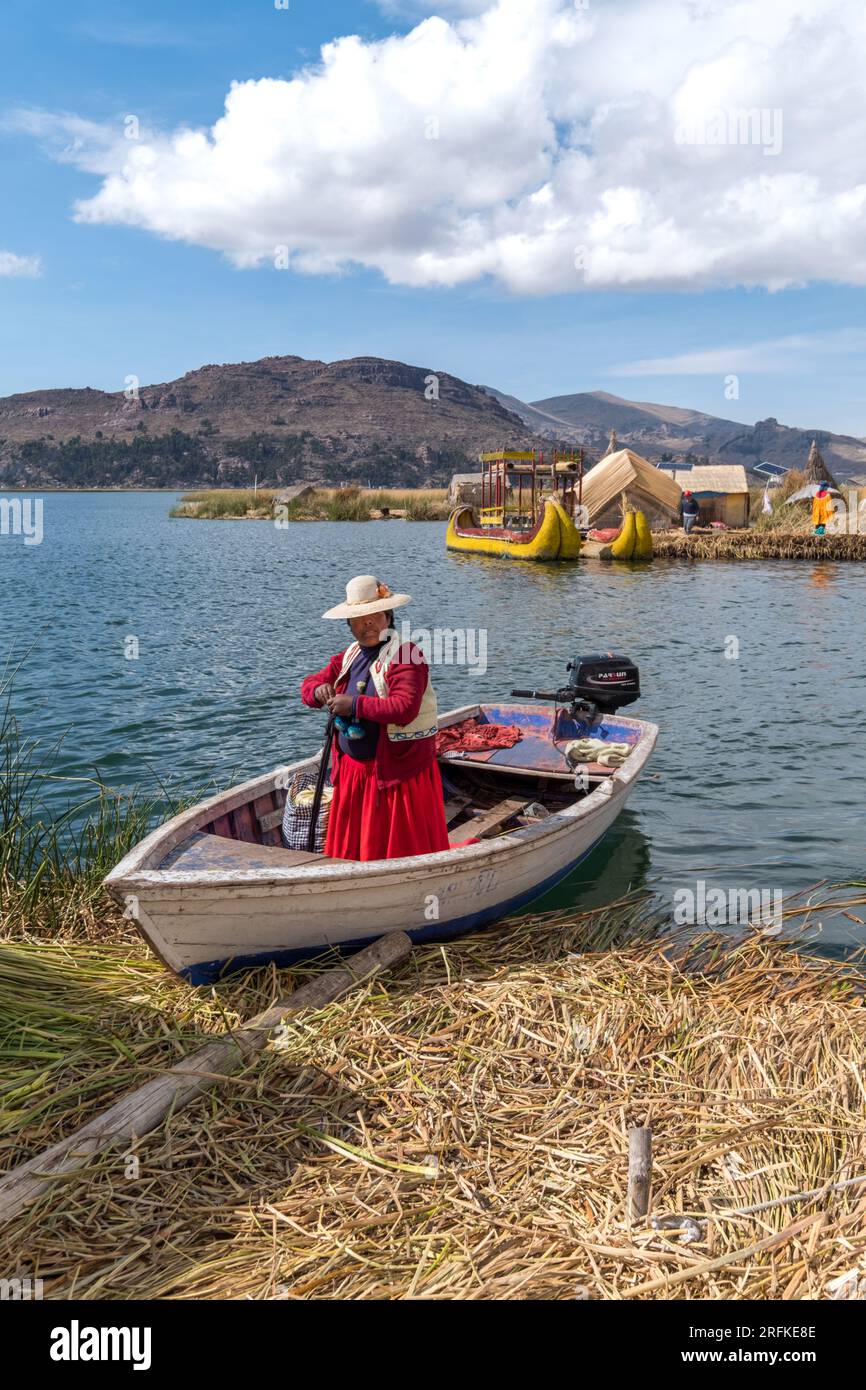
{"x": 465, "y": 281}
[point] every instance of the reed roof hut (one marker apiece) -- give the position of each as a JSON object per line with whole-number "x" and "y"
{"x": 649, "y": 489}
{"x": 816, "y": 470}
{"x": 721, "y": 489}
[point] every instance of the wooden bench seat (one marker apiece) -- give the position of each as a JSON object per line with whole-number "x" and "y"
{"x": 488, "y": 822}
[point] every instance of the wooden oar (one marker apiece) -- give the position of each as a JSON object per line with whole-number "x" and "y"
{"x": 320, "y": 785}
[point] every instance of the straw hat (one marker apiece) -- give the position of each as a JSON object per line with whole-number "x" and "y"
{"x": 364, "y": 594}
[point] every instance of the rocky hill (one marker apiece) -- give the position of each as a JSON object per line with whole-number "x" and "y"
{"x": 287, "y": 420}
{"x": 282, "y": 419}
{"x": 671, "y": 432}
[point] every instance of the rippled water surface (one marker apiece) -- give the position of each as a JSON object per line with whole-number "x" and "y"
{"x": 757, "y": 780}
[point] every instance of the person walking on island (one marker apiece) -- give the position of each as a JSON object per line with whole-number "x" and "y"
{"x": 689, "y": 510}
{"x": 822, "y": 509}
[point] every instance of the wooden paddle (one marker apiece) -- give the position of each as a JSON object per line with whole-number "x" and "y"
{"x": 320, "y": 785}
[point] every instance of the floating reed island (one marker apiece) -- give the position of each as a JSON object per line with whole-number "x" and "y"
{"x": 457, "y": 1127}
{"x": 785, "y": 532}
{"x": 757, "y": 545}
{"x": 314, "y": 504}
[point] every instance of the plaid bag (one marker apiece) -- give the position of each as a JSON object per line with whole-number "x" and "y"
{"x": 298, "y": 814}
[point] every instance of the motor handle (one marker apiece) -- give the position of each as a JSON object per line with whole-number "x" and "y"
{"x": 531, "y": 695}
{"x": 560, "y": 695}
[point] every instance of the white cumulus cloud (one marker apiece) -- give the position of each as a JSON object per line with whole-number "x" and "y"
{"x": 548, "y": 145}
{"x": 10, "y": 264}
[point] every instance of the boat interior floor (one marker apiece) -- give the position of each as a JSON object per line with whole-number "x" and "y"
{"x": 480, "y": 803}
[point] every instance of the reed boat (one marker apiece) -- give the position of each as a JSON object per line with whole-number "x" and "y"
{"x": 527, "y": 508}
{"x": 553, "y": 537}
{"x": 213, "y": 890}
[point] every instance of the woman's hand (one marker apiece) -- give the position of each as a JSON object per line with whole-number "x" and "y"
{"x": 323, "y": 694}
{"x": 340, "y": 704}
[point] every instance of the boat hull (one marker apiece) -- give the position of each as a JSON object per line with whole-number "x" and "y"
{"x": 554, "y": 538}
{"x": 203, "y": 924}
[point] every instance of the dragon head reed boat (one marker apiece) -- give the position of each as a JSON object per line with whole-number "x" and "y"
{"x": 214, "y": 890}
{"x": 528, "y": 508}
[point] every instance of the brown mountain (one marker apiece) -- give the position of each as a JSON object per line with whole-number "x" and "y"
{"x": 286, "y": 420}
{"x": 283, "y": 419}
{"x": 668, "y": 431}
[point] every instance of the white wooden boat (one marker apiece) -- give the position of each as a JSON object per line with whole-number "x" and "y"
{"x": 213, "y": 890}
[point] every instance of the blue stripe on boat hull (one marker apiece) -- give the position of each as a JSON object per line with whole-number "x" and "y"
{"x": 206, "y": 972}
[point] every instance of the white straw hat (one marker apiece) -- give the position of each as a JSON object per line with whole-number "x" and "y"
{"x": 364, "y": 594}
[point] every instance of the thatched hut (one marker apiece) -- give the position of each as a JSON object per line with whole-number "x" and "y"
{"x": 816, "y": 470}
{"x": 720, "y": 489}
{"x": 648, "y": 489}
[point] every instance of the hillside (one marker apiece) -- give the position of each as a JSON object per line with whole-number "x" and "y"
{"x": 283, "y": 419}
{"x": 657, "y": 431}
{"x": 287, "y": 420}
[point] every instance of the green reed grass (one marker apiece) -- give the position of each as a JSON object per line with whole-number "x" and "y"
{"x": 226, "y": 504}
{"x": 323, "y": 504}
{"x": 59, "y": 836}
{"x": 347, "y": 504}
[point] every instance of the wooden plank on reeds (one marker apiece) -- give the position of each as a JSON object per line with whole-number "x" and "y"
{"x": 143, "y": 1109}
{"x": 640, "y": 1167}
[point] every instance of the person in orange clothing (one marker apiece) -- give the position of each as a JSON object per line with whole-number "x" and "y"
{"x": 822, "y": 509}
{"x": 388, "y": 799}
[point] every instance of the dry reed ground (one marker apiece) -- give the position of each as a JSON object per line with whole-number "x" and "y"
{"x": 456, "y": 1130}
{"x": 757, "y": 545}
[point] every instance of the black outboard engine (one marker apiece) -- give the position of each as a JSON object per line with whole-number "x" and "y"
{"x": 607, "y": 681}
{"x": 599, "y": 684}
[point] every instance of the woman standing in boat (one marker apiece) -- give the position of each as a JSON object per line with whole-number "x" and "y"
{"x": 388, "y": 798}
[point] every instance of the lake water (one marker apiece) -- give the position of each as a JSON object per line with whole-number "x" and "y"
{"x": 754, "y": 672}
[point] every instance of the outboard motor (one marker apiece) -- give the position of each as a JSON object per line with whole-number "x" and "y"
{"x": 607, "y": 681}
{"x": 599, "y": 684}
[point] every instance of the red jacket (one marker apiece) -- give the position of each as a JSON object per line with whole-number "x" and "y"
{"x": 406, "y": 680}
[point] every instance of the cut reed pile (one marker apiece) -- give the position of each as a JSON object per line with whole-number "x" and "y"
{"x": 757, "y": 545}
{"x": 457, "y": 1130}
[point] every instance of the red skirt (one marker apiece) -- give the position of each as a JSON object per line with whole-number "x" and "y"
{"x": 369, "y": 822}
